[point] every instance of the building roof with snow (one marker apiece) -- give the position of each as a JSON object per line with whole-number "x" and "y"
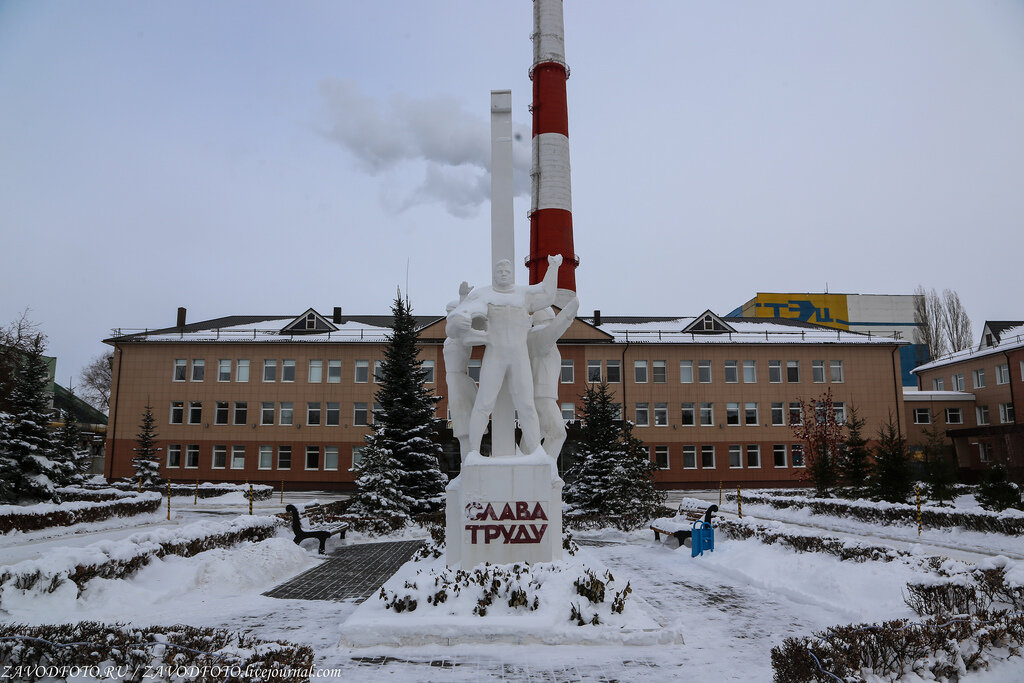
{"x": 1010, "y": 337}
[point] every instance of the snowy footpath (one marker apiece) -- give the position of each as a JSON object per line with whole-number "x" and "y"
{"x": 732, "y": 606}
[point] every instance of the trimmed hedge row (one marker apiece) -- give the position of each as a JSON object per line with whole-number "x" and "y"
{"x": 809, "y": 544}
{"x": 259, "y": 491}
{"x": 70, "y": 494}
{"x": 125, "y": 652}
{"x": 620, "y": 522}
{"x": 118, "y": 559}
{"x": 45, "y": 515}
{"x": 896, "y": 513}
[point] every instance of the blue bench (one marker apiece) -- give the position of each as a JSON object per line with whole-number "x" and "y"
{"x": 689, "y": 524}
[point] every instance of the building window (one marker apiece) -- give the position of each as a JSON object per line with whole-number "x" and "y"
{"x": 922, "y": 416}
{"x": 661, "y": 457}
{"x": 642, "y": 417}
{"x": 659, "y": 372}
{"x": 267, "y": 413}
{"x": 180, "y": 370}
{"x": 753, "y": 455}
{"x": 686, "y": 371}
{"x": 750, "y": 414}
{"x": 985, "y": 451}
{"x": 1003, "y": 373}
{"x": 359, "y": 415}
{"x": 220, "y": 415}
{"x": 333, "y": 414}
{"x": 378, "y": 371}
{"x": 792, "y": 371}
{"x": 778, "y": 415}
{"x": 357, "y": 456}
{"x": 835, "y": 368}
{"x": 334, "y": 372}
{"x": 779, "y": 454}
{"x": 568, "y": 411}
{"x": 797, "y": 452}
{"x": 839, "y": 410}
{"x": 981, "y": 412}
{"x": 192, "y": 456}
{"x": 242, "y": 370}
{"x": 817, "y": 371}
{"x": 220, "y": 457}
{"x": 735, "y": 457}
{"x": 707, "y": 414}
{"x": 704, "y": 371}
{"x": 796, "y": 413}
{"x": 238, "y": 457}
{"x": 198, "y": 369}
{"x": 284, "y": 457}
{"x": 689, "y": 457}
{"x": 224, "y": 370}
{"x": 312, "y": 457}
{"x": 732, "y": 414}
{"x": 954, "y": 416}
{"x": 661, "y": 415}
{"x": 362, "y": 371}
{"x": 568, "y": 371}
{"x": 330, "y": 457}
{"x": 177, "y": 412}
{"x": 428, "y": 371}
{"x": 269, "y": 370}
{"x": 174, "y": 455}
{"x": 958, "y": 382}
{"x": 376, "y": 410}
{"x": 266, "y": 458}
{"x": 938, "y": 384}
{"x": 979, "y": 378}
{"x": 288, "y": 370}
{"x": 593, "y": 371}
{"x": 241, "y": 412}
{"x": 617, "y": 410}
{"x": 707, "y": 457}
{"x": 285, "y": 413}
{"x": 732, "y": 373}
{"x": 316, "y": 371}
{"x": 640, "y": 371}
{"x": 311, "y": 322}
{"x": 313, "y": 413}
{"x": 1005, "y": 412}
{"x": 775, "y": 371}
{"x": 473, "y": 369}
{"x": 689, "y": 417}
{"x": 750, "y": 372}
{"x": 614, "y": 370}
{"x": 195, "y": 412}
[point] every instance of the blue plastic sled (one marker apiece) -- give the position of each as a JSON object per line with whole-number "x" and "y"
{"x": 702, "y": 538}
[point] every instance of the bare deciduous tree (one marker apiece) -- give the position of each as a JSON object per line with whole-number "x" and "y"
{"x": 957, "y": 324}
{"x": 95, "y": 381}
{"x": 929, "y": 317}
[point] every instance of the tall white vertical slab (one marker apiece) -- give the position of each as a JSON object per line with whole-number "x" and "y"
{"x": 503, "y": 434}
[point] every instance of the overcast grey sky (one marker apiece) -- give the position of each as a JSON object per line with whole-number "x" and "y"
{"x": 265, "y": 157}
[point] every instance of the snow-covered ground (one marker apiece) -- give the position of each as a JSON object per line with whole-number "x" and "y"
{"x": 732, "y": 605}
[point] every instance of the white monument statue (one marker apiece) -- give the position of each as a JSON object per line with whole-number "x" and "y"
{"x": 546, "y": 362}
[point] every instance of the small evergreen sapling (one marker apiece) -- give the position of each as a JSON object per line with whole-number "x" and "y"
{"x": 855, "y": 460}
{"x": 146, "y": 460}
{"x": 893, "y": 480}
{"x": 996, "y": 491}
{"x": 68, "y": 451}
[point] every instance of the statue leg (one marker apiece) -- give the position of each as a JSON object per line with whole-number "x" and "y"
{"x": 491, "y": 376}
{"x": 521, "y": 388}
{"x": 551, "y": 425}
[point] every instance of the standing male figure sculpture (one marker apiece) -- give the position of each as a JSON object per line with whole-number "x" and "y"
{"x": 546, "y": 362}
{"x": 503, "y": 310}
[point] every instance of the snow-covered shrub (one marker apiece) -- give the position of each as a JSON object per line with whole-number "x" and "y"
{"x": 996, "y": 492}
{"x": 168, "y": 652}
{"x": 844, "y": 550}
{"x": 45, "y": 515}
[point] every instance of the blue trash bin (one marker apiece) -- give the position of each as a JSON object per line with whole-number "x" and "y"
{"x": 702, "y": 538}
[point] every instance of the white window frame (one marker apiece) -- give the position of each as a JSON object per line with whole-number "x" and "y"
{"x": 839, "y": 410}
{"x": 224, "y": 370}
{"x": 707, "y": 408}
{"x": 316, "y": 371}
{"x": 192, "y": 456}
{"x": 746, "y": 414}
{"x": 263, "y": 413}
{"x": 222, "y": 451}
{"x": 750, "y": 372}
{"x": 332, "y": 408}
{"x": 179, "y": 371}
{"x": 776, "y": 449}
{"x": 778, "y": 411}
{"x": 356, "y": 411}
{"x": 195, "y": 406}
{"x": 334, "y": 371}
{"x": 792, "y": 367}
{"x": 265, "y": 458}
{"x": 644, "y": 409}
{"x": 704, "y": 450}
{"x": 686, "y": 372}
{"x": 836, "y": 372}
{"x": 240, "y": 409}
{"x": 704, "y": 370}
{"x": 692, "y": 413}
{"x": 609, "y": 365}
{"x": 310, "y": 449}
{"x": 242, "y": 370}
{"x": 981, "y": 414}
{"x": 237, "y": 457}
{"x": 269, "y": 370}
{"x": 640, "y": 372}
{"x": 984, "y": 451}
{"x": 1003, "y": 374}
{"x": 567, "y": 374}
{"x": 281, "y": 450}
{"x": 938, "y": 384}
{"x": 361, "y": 370}
{"x": 174, "y": 456}
{"x": 798, "y": 408}
{"x": 959, "y": 412}
{"x": 473, "y": 369}
{"x": 593, "y": 365}
{"x": 661, "y": 414}
{"x": 732, "y": 414}
{"x": 428, "y": 367}
{"x": 656, "y": 366}
{"x": 378, "y": 371}
{"x": 735, "y": 457}
{"x": 180, "y": 407}
{"x": 732, "y": 372}
{"x": 221, "y": 409}
{"x": 331, "y": 454}
{"x": 690, "y": 450}
{"x": 818, "y": 371}
{"x": 286, "y": 408}
{"x": 357, "y": 457}
{"x": 793, "y": 450}
{"x": 314, "y": 411}
{"x": 568, "y": 411}
{"x": 288, "y": 370}
{"x": 1006, "y": 413}
{"x": 979, "y": 378}
{"x": 198, "y": 370}
{"x": 927, "y": 416}
{"x": 775, "y": 372}
{"x": 658, "y": 450}
{"x": 755, "y": 449}
{"x": 958, "y": 382}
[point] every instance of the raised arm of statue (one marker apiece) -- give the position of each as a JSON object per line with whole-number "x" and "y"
{"x": 542, "y": 295}
{"x": 544, "y": 336}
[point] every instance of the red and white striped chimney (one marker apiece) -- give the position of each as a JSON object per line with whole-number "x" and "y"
{"x": 551, "y": 209}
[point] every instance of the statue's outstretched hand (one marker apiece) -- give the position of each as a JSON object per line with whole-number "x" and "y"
{"x": 555, "y": 260}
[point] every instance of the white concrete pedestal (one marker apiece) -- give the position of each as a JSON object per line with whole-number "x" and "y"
{"x": 503, "y": 510}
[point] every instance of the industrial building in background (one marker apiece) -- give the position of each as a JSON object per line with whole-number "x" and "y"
{"x": 888, "y": 315}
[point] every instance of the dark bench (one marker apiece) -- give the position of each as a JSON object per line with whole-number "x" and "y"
{"x": 690, "y": 516}
{"x": 319, "y": 527}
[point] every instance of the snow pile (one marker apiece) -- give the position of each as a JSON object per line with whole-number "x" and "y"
{"x": 554, "y": 603}
{"x": 43, "y": 515}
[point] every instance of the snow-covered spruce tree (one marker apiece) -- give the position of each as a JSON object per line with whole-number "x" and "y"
{"x": 614, "y": 471}
{"x": 9, "y": 473}
{"x": 940, "y": 473}
{"x": 855, "y": 461}
{"x": 146, "y": 462}
{"x": 996, "y": 492}
{"x": 404, "y": 424}
{"x": 893, "y": 480}
{"x": 29, "y": 442}
{"x": 74, "y": 460}
{"x": 377, "y": 486}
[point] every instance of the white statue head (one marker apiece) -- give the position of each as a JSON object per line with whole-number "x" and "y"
{"x": 504, "y": 275}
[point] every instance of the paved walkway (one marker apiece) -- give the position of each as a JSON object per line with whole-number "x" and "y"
{"x": 351, "y": 572}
